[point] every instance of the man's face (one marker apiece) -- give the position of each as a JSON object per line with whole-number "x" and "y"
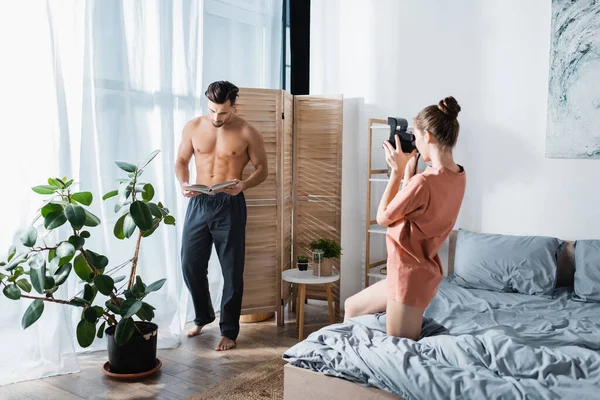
{"x": 220, "y": 113}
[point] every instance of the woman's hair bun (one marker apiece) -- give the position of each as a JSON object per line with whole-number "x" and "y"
{"x": 449, "y": 106}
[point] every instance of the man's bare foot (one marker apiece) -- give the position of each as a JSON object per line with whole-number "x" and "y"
{"x": 225, "y": 344}
{"x": 195, "y": 331}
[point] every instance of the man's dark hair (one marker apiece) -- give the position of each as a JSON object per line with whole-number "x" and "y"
{"x": 220, "y": 91}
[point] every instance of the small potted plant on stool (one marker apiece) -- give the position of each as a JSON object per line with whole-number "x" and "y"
{"x": 302, "y": 263}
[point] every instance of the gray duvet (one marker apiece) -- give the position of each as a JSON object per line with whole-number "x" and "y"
{"x": 475, "y": 344}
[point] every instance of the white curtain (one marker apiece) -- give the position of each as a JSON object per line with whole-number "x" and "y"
{"x": 85, "y": 83}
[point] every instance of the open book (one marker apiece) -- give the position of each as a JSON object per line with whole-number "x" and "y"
{"x": 210, "y": 189}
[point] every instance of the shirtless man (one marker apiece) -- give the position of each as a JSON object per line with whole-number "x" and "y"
{"x": 222, "y": 144}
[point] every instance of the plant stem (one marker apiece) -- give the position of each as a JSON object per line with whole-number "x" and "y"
{"x": 50, "y": 299}
{"x": 110, "y": 318}
{"x": 134, "y": 260}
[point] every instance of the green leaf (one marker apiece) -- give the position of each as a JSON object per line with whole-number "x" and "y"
{"x": 155, "y": 210}
{"x": 91, "y": 220}
{"x": 104, "y": 284}
{"x": 62, "y": 274}
{"x": 146, "y": 313}
{"x": 98, "y": 261}
{"x": 49, "y": 283}
{"x": 155, "y": 225}
{"x": 124, "y": 331}
{"x": 76, "y": 241}
{"x": 53, "y": 266}
{"x": 29, "y": 237}
{"x": 56, "y": 183}
{"x": 2, "y": 276}
{"x": 125, "y": 166}
{"x": 119, "y": 278}
{"x": 51, "y": 207}
{"x": 139, "y": 188}
{"x": 124, "y": 193}
{"x": 24, "y": 284}
{"x": 118, "y": 229}
{"x": 38, "y": 278}
{"x": 128, "y": 226}
{"x": 153, "y": 287}
{"x": 129, "y": 307}
{"x": 84, "y": 234}
{"x": 51, "y": 254}
{"x": 148, "y": 193}
{"x": 43, "y": 189}
{"x": 54, "y": 220}
{"x": 85, "y": 333}
{"x": 14, "y": 261}
{"x": 82, "y": 269}
{"x": 33, "y": 313}
{"x": 84, "y": 198}
{"x": 100, "y": 333}
{"x": 110, "y": 194}
{"x": 90, "y": 315}
{"x": 89, "y": 293}
{"x": 75, "y": 215}
{"x": 13, "y": 292}
{"x": 138, "y": 289}
{"x": 11, "y": 252}
{"x": 140, "y": 212}
{"x": 112, "y": 306}
{"x": 78, "y": 301}
{"x": 148, "y": 159}
{"x": 65, "y": 250}
{"x": 68, "y": 183}
{"x": 169, "y": 220}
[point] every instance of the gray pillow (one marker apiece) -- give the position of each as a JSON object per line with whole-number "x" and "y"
{"x": 587, "y": 270}
{"x": 506, "y": 263}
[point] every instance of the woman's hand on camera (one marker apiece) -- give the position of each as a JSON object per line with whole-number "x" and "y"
{"x": 395, "y": 158}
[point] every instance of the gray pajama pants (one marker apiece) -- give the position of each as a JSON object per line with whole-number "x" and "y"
{"x": 218, "y": 219}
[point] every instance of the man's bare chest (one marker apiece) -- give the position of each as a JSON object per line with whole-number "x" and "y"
{"x": 222, "y": 144}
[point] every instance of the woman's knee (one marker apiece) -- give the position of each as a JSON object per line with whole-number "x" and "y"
{"x": 350, "y": 309}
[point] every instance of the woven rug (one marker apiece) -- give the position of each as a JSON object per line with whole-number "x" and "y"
{"x": 265, "y": 381}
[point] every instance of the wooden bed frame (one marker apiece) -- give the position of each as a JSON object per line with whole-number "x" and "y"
{"x": 302, "y": 384}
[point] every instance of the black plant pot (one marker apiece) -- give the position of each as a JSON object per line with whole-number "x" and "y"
{"x": 303, "y": 266}
{"x": 137, "y": 355}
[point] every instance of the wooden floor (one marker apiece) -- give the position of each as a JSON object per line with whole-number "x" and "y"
{"x": 192, "y": 368}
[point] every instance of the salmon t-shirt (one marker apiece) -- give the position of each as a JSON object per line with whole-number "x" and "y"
{"x": 422, "y": 215}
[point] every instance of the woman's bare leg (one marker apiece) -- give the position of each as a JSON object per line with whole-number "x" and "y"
{"x": 368, "y": 301}
{"x": 403, "y": 320}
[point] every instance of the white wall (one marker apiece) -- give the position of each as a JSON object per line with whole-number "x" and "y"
{"x": 493, "y": 56}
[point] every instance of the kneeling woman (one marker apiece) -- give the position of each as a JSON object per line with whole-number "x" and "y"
{"x": 419, "y": 218}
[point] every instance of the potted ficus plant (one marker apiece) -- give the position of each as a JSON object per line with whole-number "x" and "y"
{"x": 106, "y": 306}
{"x": 325, "y": 251}
{"x": 302, "y": 263}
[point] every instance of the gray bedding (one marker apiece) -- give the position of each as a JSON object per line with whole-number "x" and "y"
{"x": 491, "y": 345}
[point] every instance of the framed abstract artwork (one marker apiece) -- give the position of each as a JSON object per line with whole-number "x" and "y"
{"x": 573, "y": 121}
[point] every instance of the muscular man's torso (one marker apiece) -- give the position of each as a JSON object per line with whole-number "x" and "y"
{"x": 220, "y": 154}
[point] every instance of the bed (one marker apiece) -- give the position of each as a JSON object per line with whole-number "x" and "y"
{"x": 475, "y": 344}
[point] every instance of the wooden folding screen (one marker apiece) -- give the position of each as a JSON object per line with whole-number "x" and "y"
{"x": 302, "y": 136}
{"x": 269, "y": 208}
{"x": 317, "y": 178}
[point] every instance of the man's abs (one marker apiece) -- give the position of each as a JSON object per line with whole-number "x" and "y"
{"x": 220, "y": 154}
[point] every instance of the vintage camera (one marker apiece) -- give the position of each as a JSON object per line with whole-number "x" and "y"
{"x": 399, "y": 126}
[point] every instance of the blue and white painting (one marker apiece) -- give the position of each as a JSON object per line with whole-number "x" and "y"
{"x": 573, "y": 129}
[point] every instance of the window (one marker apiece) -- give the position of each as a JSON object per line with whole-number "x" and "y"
{"x": 286, "y": 60}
